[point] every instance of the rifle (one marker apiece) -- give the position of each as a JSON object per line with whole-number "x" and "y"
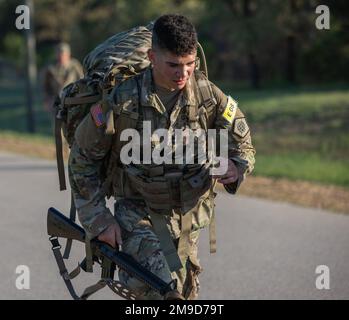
{"x": 58, "y": 225}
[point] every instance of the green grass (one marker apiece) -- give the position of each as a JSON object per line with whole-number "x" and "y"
{"x": 303, "y": 166}
{"x": 34, "y": 138}
{"x": 298, "y": 133}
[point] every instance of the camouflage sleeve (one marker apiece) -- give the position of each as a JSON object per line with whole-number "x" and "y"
{"x": 240, "y": 148}
{"x": 85, "y": 164}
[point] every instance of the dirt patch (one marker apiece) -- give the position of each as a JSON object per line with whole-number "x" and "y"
{"x": 304, "y": 193}
{"x": 42, "y": 149}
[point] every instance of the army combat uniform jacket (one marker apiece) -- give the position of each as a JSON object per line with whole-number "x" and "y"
{"x": 146, "y": 191}
{"x": 92, "y": 145}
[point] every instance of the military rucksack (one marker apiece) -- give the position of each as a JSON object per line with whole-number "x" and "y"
{"x": 120, "y": 57}
{"x": 113, "y": 61}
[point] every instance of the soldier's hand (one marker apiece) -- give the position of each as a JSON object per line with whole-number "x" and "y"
{"x": 112, "y": 235}
{"x": 230, "y": 176}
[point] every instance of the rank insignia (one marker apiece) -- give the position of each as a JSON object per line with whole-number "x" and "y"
{"x": 241, "y": 128}
{"x": 97, "y": 115}
{"x": 230, "y": 110}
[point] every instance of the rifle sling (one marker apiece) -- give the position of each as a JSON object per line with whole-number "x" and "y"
{"x": 116, "y": 286}
{"x": 56, "y": 248}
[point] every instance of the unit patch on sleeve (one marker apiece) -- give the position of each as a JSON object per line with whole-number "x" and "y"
{"x": 97, "y": 115}
{"x": 241, "y": 128}
{"x": 230, "y": 110}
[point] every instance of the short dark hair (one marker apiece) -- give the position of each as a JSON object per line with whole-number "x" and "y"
{"x": 174, "y": 33}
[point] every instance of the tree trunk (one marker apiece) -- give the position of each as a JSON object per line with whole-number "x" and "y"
{"x": 290, "y": 59}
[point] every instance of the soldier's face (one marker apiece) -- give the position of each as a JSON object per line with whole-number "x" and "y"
{"x": 63, "y": 57}
{"x": 171, "y": 71}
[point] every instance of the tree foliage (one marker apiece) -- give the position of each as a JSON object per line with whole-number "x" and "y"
{"x": 246, "y": 41}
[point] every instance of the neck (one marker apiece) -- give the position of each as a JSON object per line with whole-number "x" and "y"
{"x": 159, "y": 83}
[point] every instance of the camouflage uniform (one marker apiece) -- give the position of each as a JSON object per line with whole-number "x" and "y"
{"x": 133, "y": 209}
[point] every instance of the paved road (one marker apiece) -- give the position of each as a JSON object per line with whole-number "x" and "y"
{"x": 266, "y": 250}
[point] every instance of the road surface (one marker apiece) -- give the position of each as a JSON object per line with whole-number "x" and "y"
{"x": 266, "y": 250}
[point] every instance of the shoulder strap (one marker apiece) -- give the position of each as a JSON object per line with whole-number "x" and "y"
{"x": 207, "y": 100}
{"x": 125, "y": 116}
{"x": 206, "y": 96}
{"x": 204, "y": 93}
{"x": 59, "y": 154}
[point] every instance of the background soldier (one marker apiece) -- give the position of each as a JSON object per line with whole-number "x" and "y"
{"x": 59, "y": 74}
{"x": 160, "y": 209}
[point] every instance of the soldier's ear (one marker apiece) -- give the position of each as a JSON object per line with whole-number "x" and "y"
{"x": 151, "y": 56}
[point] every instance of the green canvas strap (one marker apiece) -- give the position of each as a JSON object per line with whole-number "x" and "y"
{"x": 125, "y": 120}
{"x": 116, "y": 286}
{"x": 212, "y": 233}
{"x": 212, "y": 227}
{"x": 204, "y": 89}
{"x": 193, "y": 115}
{"x": 166, "y": 242}
{"x": 82, "y": 99}
{"x": 59, "y": 154}
{"x": 203, "y": 57}
{"x": 72, "y": 217}
{"x": 89, "y": 258}
{"x": 184, "y": 240}
{"x": 56, "y": 248}
{"x": 61, "y": 177}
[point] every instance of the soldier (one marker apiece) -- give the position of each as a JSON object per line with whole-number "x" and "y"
{"x": 64, "y": 71}
{"x": 160, "y": 208}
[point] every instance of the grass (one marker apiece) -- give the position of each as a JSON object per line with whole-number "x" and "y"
{"x": 299, "y": 134}
{"x": 27, "y": 137}
{"x": 303, "y": 166}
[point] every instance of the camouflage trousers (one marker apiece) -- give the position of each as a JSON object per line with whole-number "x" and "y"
{"x": 143, "y": 245}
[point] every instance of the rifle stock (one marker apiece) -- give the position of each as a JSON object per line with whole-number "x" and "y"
{"x": 60, "y": 226}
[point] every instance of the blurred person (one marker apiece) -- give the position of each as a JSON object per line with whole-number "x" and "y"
{"x": 57, "y": 75}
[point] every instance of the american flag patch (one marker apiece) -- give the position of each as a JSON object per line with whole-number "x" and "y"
{"x": 97, "y": 115}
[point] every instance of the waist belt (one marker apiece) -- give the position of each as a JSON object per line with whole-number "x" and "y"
{"x": 171, "y": 190}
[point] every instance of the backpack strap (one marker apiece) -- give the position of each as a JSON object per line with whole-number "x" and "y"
{"x": 184, "y": 240}
{"x": 82, "y": 99}
{"x": 72, "y": 215}
{"x": 206, "y": 96}
{"x": 59, "y": 153}
{"x": 118, "y": 119}
{"x": 203, "y": 92}
{"x": 208, "y": 101}
{"x": 61, "y": 177}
